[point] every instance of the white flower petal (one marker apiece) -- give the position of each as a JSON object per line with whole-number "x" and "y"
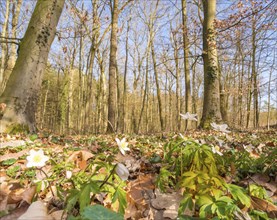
{"x": 68, "y": 174}
{"x": 122, "y": 171}
{"x": 36, "y": 158}
{"x": 117, "y": 141}
{"x": 122, "y": 145}
{"x": 221, "y": 128}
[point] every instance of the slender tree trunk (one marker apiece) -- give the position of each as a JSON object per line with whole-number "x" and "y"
{"x": 145, "y": 93}
{"x": 249, "y": 96}
{"x": 254, "y": 74}
{"x": 125, "y": 77}
{"x": 44, "y": 104}
{"x": 241, "y": 76}
{"x": 4, "y": 46}
{"x": 223, "y": 98}
{"x": 178, "y": 90}
{"x": 12, "y": 56}
{"x": 119, "y": 112}
{"x": 188, "y": 106}
{"x": 157, "y": 85}
{"x": 15, "y": 14}
{"x": 268, "y": 96}
{"x": 80, "y": 88}
{"x": 211, "y": 105}
{"x": 23, "y": 88}
{"x": 112, "y": 99}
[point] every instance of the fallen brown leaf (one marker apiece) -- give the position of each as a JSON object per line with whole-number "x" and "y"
{"x": 14, "y": 155}
{"x": 80, "y": 158}
{"x": 265, "y": 206}
{"x": 36, "y": 211}
{"x": 138, "y": 196}
{"x": 28, "y": 194}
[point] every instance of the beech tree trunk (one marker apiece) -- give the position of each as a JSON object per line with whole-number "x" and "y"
{"x": 15, "y": 14}
{"x": 4, "y": 45}
{"x": 211, "y": 105}
{"x": 23, "y": 87}
{"x": 124, "y": 114}
{"x": 188, "y": 106}
{"x": 112, "y": 98}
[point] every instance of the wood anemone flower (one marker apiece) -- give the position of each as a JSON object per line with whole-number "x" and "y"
{"x": 215, "y": 150}
{"x": 122, "y": 171}
{"x": 189, "y": 116}
{"x": 36, "y": 158}
{"x": 221, "y": 128}
{"x": 122, "y": 145}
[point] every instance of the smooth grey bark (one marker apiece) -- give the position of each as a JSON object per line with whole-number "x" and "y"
{"x": 112, "y": 98}
{"x": 23, "y": 87}
{"x": 188, "y": 105}
{"x": 211, "y": 105}
{"x": 4, "y": 45}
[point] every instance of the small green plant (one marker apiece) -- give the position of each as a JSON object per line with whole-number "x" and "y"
{"x": 13, "y": 171}
{"x": 96, "y": 183}
{"x": 186, "y": 155}
{"x": 196, "y": 169}
{"x": 100, "y": 179}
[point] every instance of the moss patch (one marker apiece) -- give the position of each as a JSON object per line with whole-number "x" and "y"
{"x": 17, "y": 128}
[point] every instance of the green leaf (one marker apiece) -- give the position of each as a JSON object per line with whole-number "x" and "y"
{"x": 33, "y": 137}
{"x": 216, "y": 192}
{"x": 12, "y": 171}
{"x": 239, "y": 194}
{"x": 186, "y": 203}
{"x": 204, "y": 200}
{"x": 8, "y": 162}
{"x": 72, "y": 199}
{"x": 261, "y": 214}
{"x": 188, "y": 179}
{"x": 164, "y": 179}
{"x": 98, "y": 212}
{"x": 155, "y": 159}
{"x": 120, "y": 195}
{"x": 225, "y": 199}
{"x": 84, "y": 198}
{"x": 204, "y": 210}
{"x": 213, "y": 208}
{"x": 94, "y": 188}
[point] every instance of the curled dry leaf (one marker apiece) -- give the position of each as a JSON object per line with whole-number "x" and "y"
{"x": 21, "y": 194}
{"x": 14, "y": 155}
{"x": 80, "y": 158}
{"x": 138, "y": 196}
{"x": 168, "y": 201}
{"x": 28, "y": 194}
{"x": 265, "y": 206}
{"x": 59, "y": 215}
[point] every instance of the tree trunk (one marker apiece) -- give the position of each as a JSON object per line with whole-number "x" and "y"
{"x": 145, "y": 93}
{"x": 178, "y": 90}
{"x": 157, "y": 85}
{"x": 15, "y": 12}
{"x": 254, "y": 74}
{"x": 268, "y": 95}
{"x": 211, "y": 105}
{"x": 4, "y": 46}
{"x": 249, "y": 96}
{"x": 23, "y": 87}
{"x": 112, "y": 99}
{"x": 12, "y": 57}
{"x": 223, "y": 97}
{"x": 125, "y": 78}
{"x": 188, "y": 106}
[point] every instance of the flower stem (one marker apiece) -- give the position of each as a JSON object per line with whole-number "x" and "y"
{"x": 40, "y": 169}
